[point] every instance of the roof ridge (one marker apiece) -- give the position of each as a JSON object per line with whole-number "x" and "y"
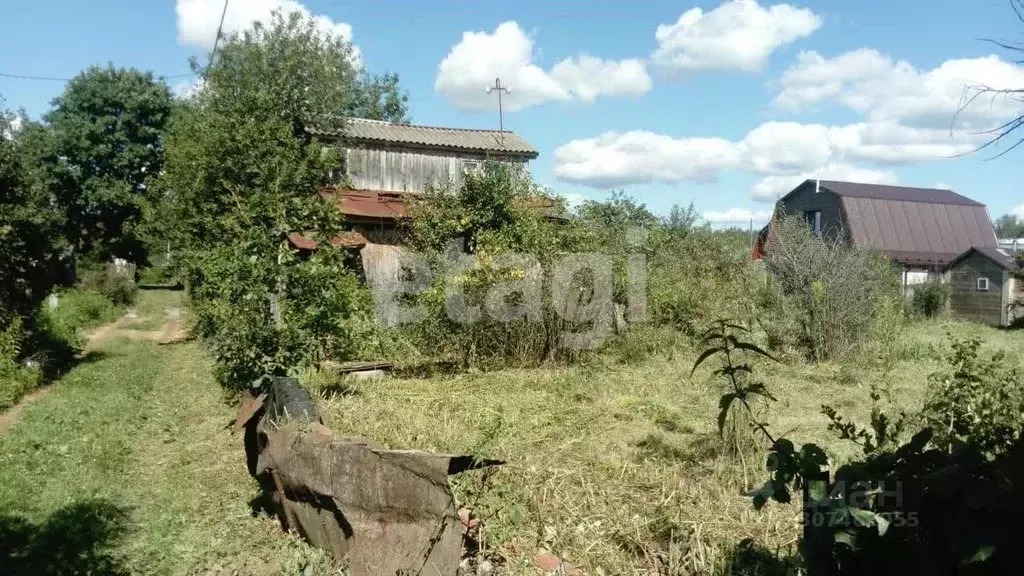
{"x": 448, "y": 128}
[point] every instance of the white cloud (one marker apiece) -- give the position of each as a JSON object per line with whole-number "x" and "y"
{"x": 587, "y": 77}
{"x": 619, "y": 158}
{"x": 186, "y": 89}
{"x": 573, "y": 201}
{"x": 198, "y": 19}
{"x": 771, "y": 188}
{"x": 507, "y": 53}
{"x": 737, "y": 216}
{"x": 885, "y": 90}
{"x": 1018, "y": 211}
{"x": 782, "y": 152}
{"x": 739, "y": 34}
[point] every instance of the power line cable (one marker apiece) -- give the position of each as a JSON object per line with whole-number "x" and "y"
{"x": 56, "y": 79}
{"x": 216, "y": 41}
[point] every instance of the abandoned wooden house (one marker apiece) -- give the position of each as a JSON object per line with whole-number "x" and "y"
{"x": 385, "y": 164}
{"x": 928, "y": 233}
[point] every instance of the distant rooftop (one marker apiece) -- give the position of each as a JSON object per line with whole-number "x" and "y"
{"x": 493, "y": 141}
{"x": 900, "y": 193}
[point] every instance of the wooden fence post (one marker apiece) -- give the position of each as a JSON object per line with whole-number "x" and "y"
{"x": 818, "y": 540}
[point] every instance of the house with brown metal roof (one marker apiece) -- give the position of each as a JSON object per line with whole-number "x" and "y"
{"x": 927, "y": 232}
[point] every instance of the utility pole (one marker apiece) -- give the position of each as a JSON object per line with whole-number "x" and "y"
{"x": 501, "y": 112}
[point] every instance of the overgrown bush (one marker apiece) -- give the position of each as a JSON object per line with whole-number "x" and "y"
{"x": 101, "y": 277}
{"x": 832, "y": 290}
{"x": 978, "y": 399}
{"x": 468, "y": 237}
{"x": 942, "y": 502}
{"x": 76, "y": 310}
{"x": 931, "y": 298}
{"x": 244, "y": 173}
{"x": 16, "y": 379}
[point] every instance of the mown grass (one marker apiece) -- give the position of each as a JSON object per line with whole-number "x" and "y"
{"x": 129, "y": 467}
{"x": 618, "y": 468}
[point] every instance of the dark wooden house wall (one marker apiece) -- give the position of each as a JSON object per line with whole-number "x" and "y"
{"x": 969, "y": 303}
{"x": 805, "y": 199}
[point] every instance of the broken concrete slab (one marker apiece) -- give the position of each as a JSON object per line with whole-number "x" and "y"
{"x": 381, "y": 512}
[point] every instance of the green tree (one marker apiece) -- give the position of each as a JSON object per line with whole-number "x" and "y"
{"x": 29, "y": 229}
{"x": 378, "y": 97}
{"x": 105, "y": 151}
{"x": 243, "y": 174}
{"x": 1009, "y": 226}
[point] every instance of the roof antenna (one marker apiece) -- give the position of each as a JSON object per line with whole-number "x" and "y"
{"x": 501, "y": 113}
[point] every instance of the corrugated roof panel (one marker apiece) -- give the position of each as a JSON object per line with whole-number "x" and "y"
{"x": 901, "y": 193}
{"x": 359, "y": 129}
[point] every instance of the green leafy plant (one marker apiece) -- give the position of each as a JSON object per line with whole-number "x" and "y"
{"x": 931, "y": 298}
{"x": 922, "y": 506}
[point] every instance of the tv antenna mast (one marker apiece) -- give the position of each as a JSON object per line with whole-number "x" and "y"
{"x": 501, "y": 111}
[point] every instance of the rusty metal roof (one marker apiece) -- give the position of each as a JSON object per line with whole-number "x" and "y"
{"x": 370, "y": 203}
{"x": 377, "y": 131}
{"x": 346, "y": 239}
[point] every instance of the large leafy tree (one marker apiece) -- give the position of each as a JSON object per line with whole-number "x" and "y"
{"x": 378, "y": 97}
{"x": 244, "y": 173}
{"x": 105, "y": 150}
{"x": 29, "y": 227}
{"x": 1009, "y": 226}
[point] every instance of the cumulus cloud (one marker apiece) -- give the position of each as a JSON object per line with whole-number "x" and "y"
{"x": 507, "y": 53}
{"x": 781, "y": 152}
{"x": 640, "y": 157}
{"x": 737, "y": 216}
{"x": 198, "y": 19}
{"x": 771, "y": 188}
{"x": 890, "y": 91}
{"x": 186, "y": 89}
{"x": 1018, "y": 211}
{"x": 739, "y": 34}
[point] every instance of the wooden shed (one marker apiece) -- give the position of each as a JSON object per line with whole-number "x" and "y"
{"x": 984, "y": 286}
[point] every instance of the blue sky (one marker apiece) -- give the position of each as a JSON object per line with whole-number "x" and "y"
{"x": 723, "y": 103}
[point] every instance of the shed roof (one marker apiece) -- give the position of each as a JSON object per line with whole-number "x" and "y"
{"x": 1002, "y": 259}
{"x": 376, "y": 204}
{"x": 377, "y": 131}
{"x": 916, "y": 226}
{"x": 345, "y": 239}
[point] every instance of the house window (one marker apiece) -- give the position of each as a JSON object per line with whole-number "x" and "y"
{"x": 813, "y": 218}
{"x": 983, "y": 284}
{"x": 472, "y": 166}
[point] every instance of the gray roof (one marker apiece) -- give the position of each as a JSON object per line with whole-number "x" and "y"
{"x": 376, "y": 131}
{"x": 1002, "y": 259}
{"x": 901, "y": 193}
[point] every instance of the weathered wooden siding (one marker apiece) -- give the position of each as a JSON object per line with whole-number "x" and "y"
{"x": 805, "y": 199}
{"x": 969, "y": 303}
{"x": 407, "y": 169}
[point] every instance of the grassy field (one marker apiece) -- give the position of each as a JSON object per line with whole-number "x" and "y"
{"x": 129, "y": 466}
{"x": 618, "y": 468}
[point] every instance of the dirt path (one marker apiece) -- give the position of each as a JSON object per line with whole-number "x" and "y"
{"x": 170, "y": 332}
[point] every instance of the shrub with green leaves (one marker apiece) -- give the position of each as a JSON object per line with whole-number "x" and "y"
{"x": 978, "y": 399}
{"x": 832, "y": 291}
{"x": 931, "y": 298}
{"x": 244, "y": 173}
{"x": 16, "y": 379}
{"x": 489, "y": 216}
